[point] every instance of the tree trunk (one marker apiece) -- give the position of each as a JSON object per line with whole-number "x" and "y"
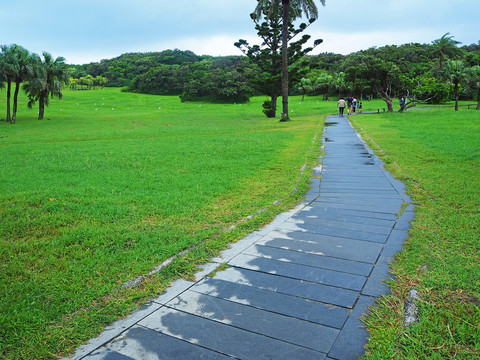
{"x": 389, "y": 105}
{"x": 456, "y": 96}
{"x": 274, "y": 105}
{"x": 286, "y": 4}
{"x": 41, "y": 107}
{"x": 9, "y": 92}
{"x": 15, "y": 102}
{"x": 478, "y": 97}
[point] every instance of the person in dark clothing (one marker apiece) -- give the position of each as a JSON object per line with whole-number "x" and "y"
{"x": 350, "y": 104}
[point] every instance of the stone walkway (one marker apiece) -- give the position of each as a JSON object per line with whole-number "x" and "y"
{"x": 294, "y": 289}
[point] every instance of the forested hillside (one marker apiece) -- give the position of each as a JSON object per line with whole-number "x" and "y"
{"x": 229, "y": 79}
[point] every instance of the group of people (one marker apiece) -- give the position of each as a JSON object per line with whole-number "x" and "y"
{"x": 351, "y": 104}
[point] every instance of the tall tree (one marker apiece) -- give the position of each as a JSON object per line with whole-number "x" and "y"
{"x": 473, "y": 81}
{"x": 324, "y": 82}
{"x": 9, "y": 67}
{"x": 372, "y": 73}
{"x": 268, "y": 56}
{"x": 455, "y": 73}
{"x": 305, "y": 86}
{"x": 446, "y": 48}
{"x": 290, "y": 9}
{"x": 50, "y": 75}
{"x": 25, "y": 68}
{"x": 339, "y": 82}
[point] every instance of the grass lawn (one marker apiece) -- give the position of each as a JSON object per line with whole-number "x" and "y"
{"x": 111, "y": 184}
{"x": 436, "y": 153}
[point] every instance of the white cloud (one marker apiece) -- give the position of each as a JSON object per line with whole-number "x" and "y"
{"x": 92, "y": 30}
{"x": 346, "y": 43}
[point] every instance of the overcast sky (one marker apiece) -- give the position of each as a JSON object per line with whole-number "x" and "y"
{"x": 85, "y": 31}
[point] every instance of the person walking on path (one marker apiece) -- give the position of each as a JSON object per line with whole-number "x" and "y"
{"x": 341, "y": 106}
{"x": 350, "y": 104}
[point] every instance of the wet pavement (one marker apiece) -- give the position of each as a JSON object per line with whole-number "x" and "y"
{"x": 292, "y": 290}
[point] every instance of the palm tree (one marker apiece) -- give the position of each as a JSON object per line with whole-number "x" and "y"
{"x": 473, "y": 81}
{"x": 25, "y": 68}
{"x": 305, "y": 86}
{"x": 9, "y": 68}
{"x": 297, "y": 7}
{"x": 446, "y": 48}
{"x": 50, "y": 75}
{"x": 454, "y": 72}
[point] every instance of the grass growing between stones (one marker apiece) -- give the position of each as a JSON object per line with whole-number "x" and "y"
{"x": 436, "y": 153}
{"x": 111, "y": 184}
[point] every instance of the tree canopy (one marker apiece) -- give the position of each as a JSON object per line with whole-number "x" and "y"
{"x": 413, "y": 67}
{"x": 388, "y": 71}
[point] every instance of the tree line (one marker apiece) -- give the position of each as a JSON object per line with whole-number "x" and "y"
{"x": 427, "y": 71}
{"x": 87, "y": 82}
{"x": 436, "y": 72}
{"x": 42, "y": 77}
{"x": 433, "y": 73}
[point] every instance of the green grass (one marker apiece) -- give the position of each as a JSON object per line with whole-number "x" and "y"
{"x": 111, "y": 184}
{"x": 436, "y": 153}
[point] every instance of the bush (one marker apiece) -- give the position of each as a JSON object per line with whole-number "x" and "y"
{"x": 218, "y": 86}
{"x": 268, "y": 109}
{"x": 430, "y": 88}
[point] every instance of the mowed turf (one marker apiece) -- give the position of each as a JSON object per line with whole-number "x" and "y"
{"x": 436, "y": 153}
{"x": 111, "y": 184}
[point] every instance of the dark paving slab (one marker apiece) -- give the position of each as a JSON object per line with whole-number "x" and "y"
{"x": 282, "y": 304}
{"x": 351, "y": 341}
{"x": 320, "y": 210}
{"x": 306, "y": 334}
{"x": 225, "y": 339}
{"x": 301, "y": 272}
{"x": 107, "y": 354}
{"x": 377, "y": 227}
{"x": 295, "y": 289}
{"x": 385, "y": 211}
{"x": 375, "y": 285}
{"x": 334, "y": 230}
{"x": 143, "y": 343}
{"x": 403, "y": 223}
{"x": 393, "y": 246}
{"x": 314, "y": 260}
{"x": 346, "y": 216}
{"x": 359, "y": 199}
{"x": 342, "y": 248}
